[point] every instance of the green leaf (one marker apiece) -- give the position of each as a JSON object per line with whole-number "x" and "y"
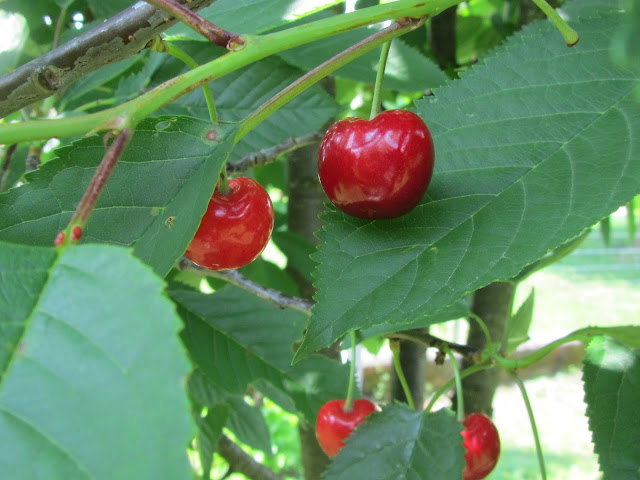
{"x": 153, "y": 201}
{"x": 523, "y": 163}
{"x": 250, "y": 16}
{"x": 406, "y": 70}
{"x": 402, "y": 444}
{"x": 612, "y": 394}
{"x": 517, "y": 328}
{"x": 91, "y": 378}
{"x": 238, "y": 339}
{"x": 103, "y": 9}
{"x": 628, "y": 334}
{"x": 245, "y": 421}
{"x": 298, "y": 251}
{"x": 209, "y": 432}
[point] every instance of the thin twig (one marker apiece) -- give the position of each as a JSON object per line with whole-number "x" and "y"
{"x": 268, "y": 155}
{"x": 234, "y": 277}
{"x": 429, "y": 340}
{"x": 240, "y": 462}
{"x": 59, "y": 23}
{"x": 204, "y": 27}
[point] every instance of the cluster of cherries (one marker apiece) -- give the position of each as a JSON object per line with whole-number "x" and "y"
{"x": 481, "y": 440}
{"x": 377, "y": 169}
{"x": 369, "y": 169}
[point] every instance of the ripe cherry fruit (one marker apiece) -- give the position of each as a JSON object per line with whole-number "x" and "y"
{"x": 378, "y": 168}
{"x": 235, "y": 228}
{"x": 334, "y": 424}
{"x": 482, "y": 443}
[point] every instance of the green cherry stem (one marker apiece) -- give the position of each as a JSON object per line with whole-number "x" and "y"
{"x": 159, "y": 45}
{"x": 458, "y": 380}
{"x": 348, "y": 403}
{"x": 395, "y": 349}
{"x": 312, "y": 77}
{"x": 532, "y": 420}
{"x": 483, "y": 327}
{"x": 569, "y": 34}
{"x": 376, "y": 103}
{"x": 447, "y": 386}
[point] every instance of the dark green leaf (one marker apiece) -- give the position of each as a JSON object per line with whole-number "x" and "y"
{"x": 517, "y": 329}
{"x": 402, "y": 444}
{"x": 612, "y": 393}
{"x": 108, "y": 9}
{"x": 298, "y": 251}
{"x": 153, "y": 201}
{"x": 91, "y": 378}
{"x": 523, "y": 163}
{"x": 406, "y": 70}
{"x": 209, "y": 432}
{"x": 238, "y": 339}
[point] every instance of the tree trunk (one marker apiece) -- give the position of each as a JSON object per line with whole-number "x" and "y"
{"x": 413, "y": 363}
{"x": 443, "y": 39}
{"x": 306, "y": 202}
{"x": 493, "y": 305}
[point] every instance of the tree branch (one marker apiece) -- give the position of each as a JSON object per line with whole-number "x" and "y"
{"x": 234, "y": 277}
{"x": 269, "y": 155}
{"x": 428, "y": 340}
{"x": 118, "y": 38}
{"x": 204, "y": 27}
{"x": 242, "y": 463}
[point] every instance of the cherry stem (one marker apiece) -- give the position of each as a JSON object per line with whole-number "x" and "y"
{"x": 376, "y": 104}
{"x": 100, "y": 177}
{"x": 348, "y": 403}
{"x": 223, "y": 187}
{"x": 532, "y": 420}
{"x": 483, "y": 327}
{"x": 159, "y": 45}
{"x": 204, "y": 27}
{"x": 399, "y": 27}
{"x": 458, "y": 379}
{"x": 569, "y": 34}
{"x": 395, "y": 349}
{"x": 447, "y": 386}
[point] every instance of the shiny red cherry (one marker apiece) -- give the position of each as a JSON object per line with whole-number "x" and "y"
{"x": 377, "y": 168}
{"x": 235, "y": 228}
{"x": 334, "y": 424}
{"x": 482, "y": 442}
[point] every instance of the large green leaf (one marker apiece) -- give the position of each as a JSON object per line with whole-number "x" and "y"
{"x": 532, "y": 147}
{"x": 612, "y": 393}
{"x": 238, "y": 339}
{"x": 153, "y": 201}
{"x": 402, "y": 444}
{"x": 91, "y": 378}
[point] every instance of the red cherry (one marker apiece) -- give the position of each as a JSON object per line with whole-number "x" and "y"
{"x": 235, "y": 228}
{"x": 60, "y": 238}
{"x": 334, "y": 424}
{"x": 482, "y": 443}
{"x": 378, "y": 168}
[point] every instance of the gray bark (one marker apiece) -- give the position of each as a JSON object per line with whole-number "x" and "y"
{"x": 118, "y": 38}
